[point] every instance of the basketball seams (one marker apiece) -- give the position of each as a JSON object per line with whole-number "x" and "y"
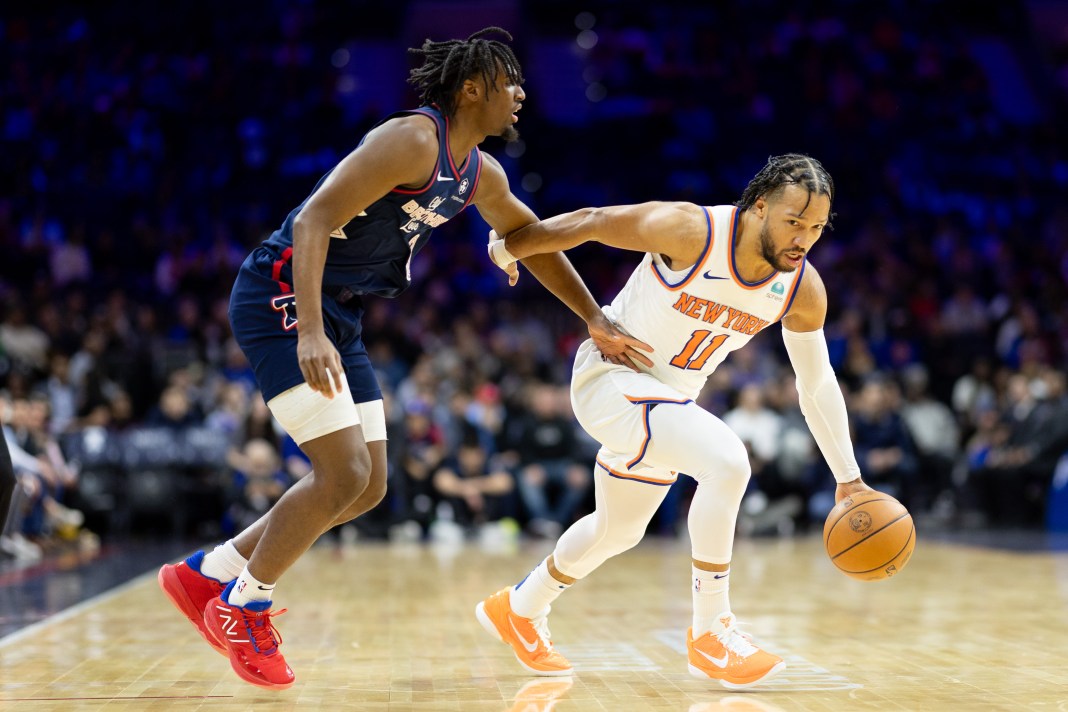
{"x": 912, "y": 533}
{"x": 869, "y": 536}
{"x": 827, "y": 530}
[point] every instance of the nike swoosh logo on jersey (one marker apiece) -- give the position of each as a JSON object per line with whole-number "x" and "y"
{"x": 441, "y": 177}
{"x": 718, "y": 662}
{"x": 531, "y": 647}
{"x": 709, "y": 275}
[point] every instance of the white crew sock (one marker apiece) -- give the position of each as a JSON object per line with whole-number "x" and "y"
{"x": 710, "y": 599}
{"x": 248, "y": 589}
{"x": 531, "y": 597}
{"x": 224, "y": 564}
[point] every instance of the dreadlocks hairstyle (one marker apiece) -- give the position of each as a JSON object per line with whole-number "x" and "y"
{"x": 447, "y": 65}
{"x": 789, "y": 169}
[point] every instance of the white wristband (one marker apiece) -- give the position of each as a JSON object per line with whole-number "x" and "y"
{"x": 500, "y": 255}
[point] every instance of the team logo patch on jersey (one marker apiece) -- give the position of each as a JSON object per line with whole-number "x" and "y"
{"x": 287, "y": 304}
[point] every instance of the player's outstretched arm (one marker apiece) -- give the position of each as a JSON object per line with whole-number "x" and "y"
{"x": 817, "y": 387}
{"x": 400, "y": 152}
{"x": 507, "y": 214}
{"x": 677, "y": 231}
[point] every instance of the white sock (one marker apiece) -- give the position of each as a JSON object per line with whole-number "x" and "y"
{"x": 249, "y": 590}
{"x": 531, "y": 597}
{"x": 224, "y": 564}
{"x": 710, "y": 599}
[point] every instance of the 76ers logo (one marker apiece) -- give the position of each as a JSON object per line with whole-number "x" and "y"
{"x": 287, "y": 304}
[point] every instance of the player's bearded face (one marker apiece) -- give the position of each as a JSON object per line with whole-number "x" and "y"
{"x": 775, "y": 258}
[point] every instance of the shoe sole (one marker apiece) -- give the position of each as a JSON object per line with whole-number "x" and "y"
{"x": 491, "y": 628}
{"x": 235, "y": 663}
{"x": 173, "y": 589}
{"x": 736, "y": 686}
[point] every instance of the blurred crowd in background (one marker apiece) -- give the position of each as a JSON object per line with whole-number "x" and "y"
{"x": 146, "y": 150}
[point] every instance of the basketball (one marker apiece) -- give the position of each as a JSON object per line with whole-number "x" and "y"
{"x": 869, "y": 536}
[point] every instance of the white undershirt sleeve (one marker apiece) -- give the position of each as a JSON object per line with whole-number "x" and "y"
{"x": 821, "y": 400}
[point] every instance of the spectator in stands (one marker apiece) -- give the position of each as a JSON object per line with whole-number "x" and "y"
{"x": 884, "y": 448}
{"x": 472, "y": 489}
{"x": 418, "y": 455}
{"x": 933, "y": 428}
{"x": 770, "y": 505}
{"x": 552, "y": 480}
{"x": 258, "y": 482}
{"x": 173, "y": 411}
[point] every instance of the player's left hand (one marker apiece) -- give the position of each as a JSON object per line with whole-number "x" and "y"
{"x": 845, "y": 489}
{"x": 618, "y": 347}
{"x": 498, "y": 253}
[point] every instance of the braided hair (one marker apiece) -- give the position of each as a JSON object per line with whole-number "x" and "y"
{"x": 789, "y": 169}
{"x": 447, "y": 65}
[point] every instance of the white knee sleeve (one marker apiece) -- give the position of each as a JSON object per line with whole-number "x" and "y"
{"x": 689, "y": 439}
{"x": 624, "y": 508}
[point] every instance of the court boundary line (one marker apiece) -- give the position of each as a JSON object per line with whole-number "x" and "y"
{"x": 74, "y": 610}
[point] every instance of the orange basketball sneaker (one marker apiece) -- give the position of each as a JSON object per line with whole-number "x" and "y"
{"x": 730, "y": 657}
{"x": 541, "y": 694}
{"x": 528, "y": 637}
{"x": 189, "y": 591}
{"x": 250, "y": 640}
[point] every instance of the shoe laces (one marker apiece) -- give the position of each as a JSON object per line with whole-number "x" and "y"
{"x": 736, "y": 641}
{"x": 541, "y": 627}
{"x": 265, "y": 637}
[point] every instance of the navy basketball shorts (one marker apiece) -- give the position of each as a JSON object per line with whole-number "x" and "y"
{"x": 263, "y": 317}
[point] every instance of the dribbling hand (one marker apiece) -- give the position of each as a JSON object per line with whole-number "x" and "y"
{"x": 500, "y": 256}
{"x": 845, "y": 489}
{"x": 618, "y": 347}
{"x": 320, "y": 363}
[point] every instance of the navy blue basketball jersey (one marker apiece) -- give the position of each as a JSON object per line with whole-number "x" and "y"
{"x": 372, "y": 253}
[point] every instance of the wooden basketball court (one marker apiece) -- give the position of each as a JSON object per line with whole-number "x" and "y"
{"x": 390, "y": 627}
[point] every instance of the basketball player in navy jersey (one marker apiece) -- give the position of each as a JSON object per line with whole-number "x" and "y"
{"x": 710, "y": 279}
{"x": 296, "y": 308}
{"x": 7, "y": 481}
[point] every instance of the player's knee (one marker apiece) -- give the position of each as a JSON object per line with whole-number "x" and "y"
{"x": 533, "y": 475}
{"x": 618, "y": 537}
{"x": 728, "y": 464}
{"x": 578, "y": 477}
{"x": 344, "y": 480}
{"x": 375, "y": 492}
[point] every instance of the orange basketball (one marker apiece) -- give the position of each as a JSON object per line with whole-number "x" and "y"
{"x": 869, "y": 536}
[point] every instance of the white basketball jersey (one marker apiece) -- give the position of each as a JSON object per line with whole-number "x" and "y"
{"x": 695, "y": 317}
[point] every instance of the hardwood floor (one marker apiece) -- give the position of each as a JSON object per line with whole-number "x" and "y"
{"x": 390, "y": 627}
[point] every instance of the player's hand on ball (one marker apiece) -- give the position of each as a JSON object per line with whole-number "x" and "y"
{"x": 618, "y": 347}
{"x": 500, "y": 256}
{"x": 846, "y": 489}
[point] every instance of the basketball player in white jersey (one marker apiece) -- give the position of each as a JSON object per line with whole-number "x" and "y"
{"x": 711, "y": 278}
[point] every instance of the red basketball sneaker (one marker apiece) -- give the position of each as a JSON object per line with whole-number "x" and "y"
{"x": 189, "y": 591}
{"x": 250, "y": 639}
{"x": 730, "y": 657}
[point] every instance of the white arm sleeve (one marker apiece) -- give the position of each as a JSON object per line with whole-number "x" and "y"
{"x": 822, "y": 401}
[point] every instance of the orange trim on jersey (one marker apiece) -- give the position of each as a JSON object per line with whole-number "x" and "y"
{"x": 709, "y": 241}
{"x": 788, "y": 302}
{"x": 635, "y": 478}
{"x": 642, "y": 400}
{"x": 730, "y": 259}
